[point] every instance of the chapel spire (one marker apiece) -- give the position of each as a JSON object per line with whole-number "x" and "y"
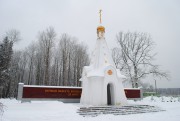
{"x": 100, "y": 29}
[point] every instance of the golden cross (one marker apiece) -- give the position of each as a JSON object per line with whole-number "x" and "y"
{"x": 100, "y": 15}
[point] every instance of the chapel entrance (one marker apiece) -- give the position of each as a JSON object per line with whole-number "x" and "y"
{"x": 110, "y": 94}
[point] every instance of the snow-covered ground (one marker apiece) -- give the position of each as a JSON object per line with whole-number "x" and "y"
{"x": 58, "y": 111}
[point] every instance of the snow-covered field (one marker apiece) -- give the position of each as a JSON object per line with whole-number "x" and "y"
{"x": 58, "y": 111}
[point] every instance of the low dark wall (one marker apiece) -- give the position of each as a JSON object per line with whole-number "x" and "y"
{"x": 60, "y": 92}
{"x": 42, "y": 92}
{"x": 133, "y": 93}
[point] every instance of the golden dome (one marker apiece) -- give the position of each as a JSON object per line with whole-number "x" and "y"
{"x": 100, "y": 29}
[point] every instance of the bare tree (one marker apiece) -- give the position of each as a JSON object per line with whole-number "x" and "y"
{"x": 137, "y": 56}
{"x": 117, "y": 58}
{"x": 46, "y": 41}
{"x": 65, "y": 43}
{"x": 31, "y": 51}
{"x": 81, "y": 59}
{"x": 73, "y": 56}
{"x": 54, "y": 72}
{"x": 23, "y": 64}
{"x": 39, "y": 66}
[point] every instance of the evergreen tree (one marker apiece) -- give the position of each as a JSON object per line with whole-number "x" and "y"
{"x": 5, "y": 59}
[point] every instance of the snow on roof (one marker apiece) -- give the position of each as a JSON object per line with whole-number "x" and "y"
{"x": 101, "y": 55}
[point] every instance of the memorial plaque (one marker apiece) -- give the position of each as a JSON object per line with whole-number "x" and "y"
{"x": 43, "y": 92}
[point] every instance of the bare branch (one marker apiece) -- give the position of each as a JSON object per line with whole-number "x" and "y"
{"x": 13, "y": 35}
{"x": 136, "y": 56}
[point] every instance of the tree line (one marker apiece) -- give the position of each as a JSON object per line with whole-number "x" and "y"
{"x": 59, "y": 61}
{"x": 48, "y": 61}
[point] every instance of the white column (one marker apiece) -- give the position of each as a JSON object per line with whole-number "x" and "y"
{"x": 20, "y": 91}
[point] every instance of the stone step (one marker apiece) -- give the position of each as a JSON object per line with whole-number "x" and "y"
{"x": 117, "y": 110}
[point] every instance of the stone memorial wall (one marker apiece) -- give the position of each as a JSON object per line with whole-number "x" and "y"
{"x": 61, "y": 93}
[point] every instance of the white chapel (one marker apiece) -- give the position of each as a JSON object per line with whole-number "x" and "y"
{"x": 101, "y": 81}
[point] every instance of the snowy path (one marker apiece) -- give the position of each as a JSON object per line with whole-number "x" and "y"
{"x": 58, "y": 111}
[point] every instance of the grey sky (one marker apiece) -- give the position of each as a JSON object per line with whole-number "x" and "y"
{"x": 79, "y": 18}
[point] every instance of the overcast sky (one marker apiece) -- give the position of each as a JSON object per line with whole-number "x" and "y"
{"x": 79, "y": 18}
